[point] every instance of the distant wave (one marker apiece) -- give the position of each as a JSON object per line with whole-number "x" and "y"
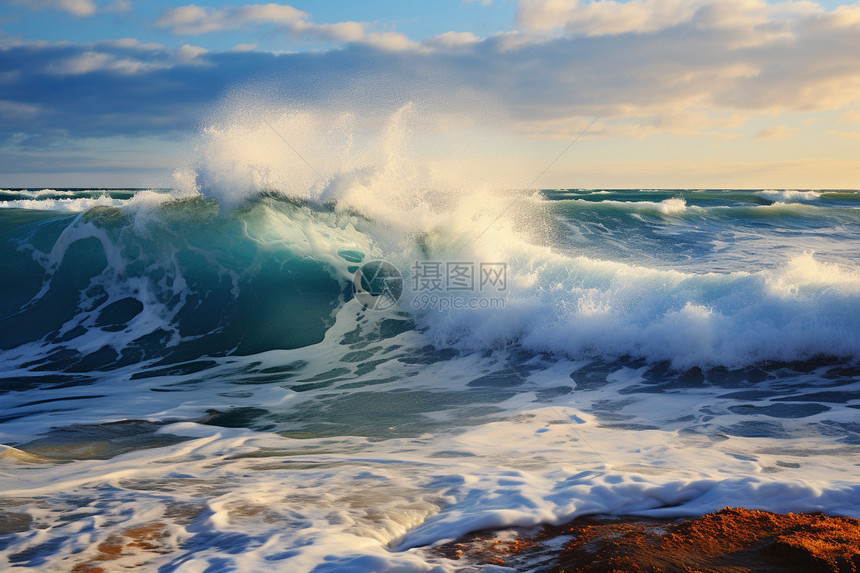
{"x": 790, "y": 195}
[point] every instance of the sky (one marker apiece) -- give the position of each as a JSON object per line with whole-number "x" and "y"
{"x": 655, "y": 93}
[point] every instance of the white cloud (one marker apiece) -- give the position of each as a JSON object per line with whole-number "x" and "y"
{"x": 603, "y": 17}
{"x": 192, "y": 19}
{"x": 451, "y": 40}
{"x": 655, "y": 58}
{"x": 391, "y": 42}
{"x": 756, "y": 18}
{"x": 76, "y": 7}
{"x": 93, "y": 61}
{"x": 126, "y": 56}
{"x": 244, "y": 48}
{"x": 188, "y": 53}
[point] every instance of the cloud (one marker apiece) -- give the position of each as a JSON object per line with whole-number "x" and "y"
{"x": 775, "y": 132}
{"x": 192, "y": 19}
{"x": 93, "y": 61}
{"x": 11, "y": 109}
{"x": 603, "y": 17}
{"x": 296, "y": 24}
{"x": 65, "y": 91}
{"x": 135, "y": 44}
{"x": 76, "y": 7}
{"x": 190, "y": 54}
{"x": 451, "y": 40}
{"x": 754, "y": 18}
{"x": 389, "y": 41}
{"x": 703, "y": 71}
{"x": 119, "y": 6}
{"x": 244, "y": 47}
{"x": 125, "y": 56}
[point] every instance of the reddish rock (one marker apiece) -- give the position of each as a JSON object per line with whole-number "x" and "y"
{"x": 731, "y": 540}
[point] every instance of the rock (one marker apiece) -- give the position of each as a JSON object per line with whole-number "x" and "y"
{"x": 732, "y": 540}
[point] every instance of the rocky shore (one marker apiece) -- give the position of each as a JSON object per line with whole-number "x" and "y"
{"x": 732, "y": 540}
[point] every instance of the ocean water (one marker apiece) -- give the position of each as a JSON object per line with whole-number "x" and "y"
{"x": 196, "y": 364}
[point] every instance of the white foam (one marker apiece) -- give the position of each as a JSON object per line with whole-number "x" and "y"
{"x": 669, "y": 207}
{"x": 349, "y": 503}
{"x": 76, "y": 205}
{"x": 345, "y": 503}
{"x": 584, "y": 307}
{"x": 37, "y": 193}
{"x": 789, "y": 195}
{"x": 672, "y": 206}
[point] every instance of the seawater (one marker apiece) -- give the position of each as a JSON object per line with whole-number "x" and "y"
{"x": 194, "y": 363}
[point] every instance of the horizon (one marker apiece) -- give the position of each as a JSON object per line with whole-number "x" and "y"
{"x": 512, "y": 189}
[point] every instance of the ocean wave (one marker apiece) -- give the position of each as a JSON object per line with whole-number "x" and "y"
{"x": 161, "y": 276}
{"x": 789, "y": 195}
{"x": 672, "y": 206}
{"x": 582, "y": 307}
{"x": 188, "y": 264}
{"x": 157, "y": 258}
{"x": 77, "y": 205}
{"x": 37, "y": 193}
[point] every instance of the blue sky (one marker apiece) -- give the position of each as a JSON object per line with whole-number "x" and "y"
{"x": 415, "y": 19}
{"x": 688, "y": 93}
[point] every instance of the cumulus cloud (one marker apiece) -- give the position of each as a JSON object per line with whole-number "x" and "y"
{"x": 296, "y": 24}
{"x": 62, "y": 91}
{"x": 244, "y": 47}
{"x": 451, "y": 40}
{"x": 192, "y": 19}
{"x": 125, "y": 56}
{"x": 93, "y": 61}
{"x": 706, "y": 68}
{"x": 603, "y": 17}
{"x": 76, "y": 7}
{"x": 609, "y": 17}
